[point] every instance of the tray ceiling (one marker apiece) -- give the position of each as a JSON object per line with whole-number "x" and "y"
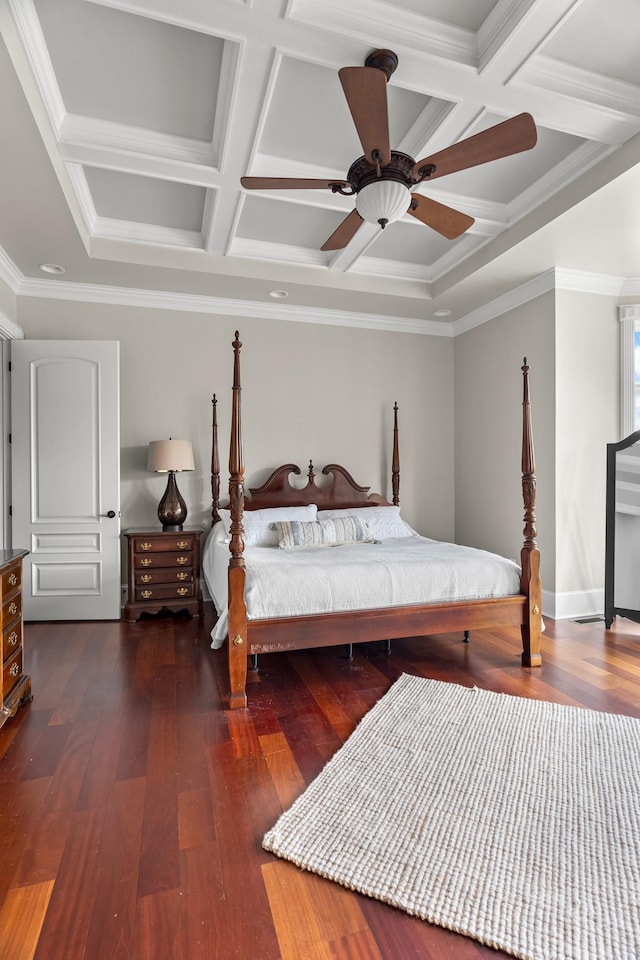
{"x": 140, "y": 116}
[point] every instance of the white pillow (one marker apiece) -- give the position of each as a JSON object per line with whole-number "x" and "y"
{"x": 384, "y": 523}
{"x": 259, "y": 529}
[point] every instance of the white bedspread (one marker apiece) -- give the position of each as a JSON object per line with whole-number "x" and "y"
{"x": 355, "y": 576}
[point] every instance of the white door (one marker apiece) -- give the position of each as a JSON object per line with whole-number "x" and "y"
{"x": 65, "y": 471}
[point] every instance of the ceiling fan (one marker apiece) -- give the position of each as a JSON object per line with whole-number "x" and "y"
{"x": 382, "y": 180}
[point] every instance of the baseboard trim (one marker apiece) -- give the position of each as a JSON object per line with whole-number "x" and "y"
{"x": 572, "y": 604}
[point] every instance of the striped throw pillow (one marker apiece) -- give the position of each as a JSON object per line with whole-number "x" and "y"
{"x": 325, "y": 533}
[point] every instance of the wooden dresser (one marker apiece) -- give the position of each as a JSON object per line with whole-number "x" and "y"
{"x": 16, "y": 685}
{"x": 163, "y": 571}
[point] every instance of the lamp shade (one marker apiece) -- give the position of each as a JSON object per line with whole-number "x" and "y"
{"x": 167, "y": 455}
{"x": 383, "y": 201}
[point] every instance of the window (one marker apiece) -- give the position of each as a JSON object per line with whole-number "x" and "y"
{"x": 636, "y": 376}
{"x": 629, "y": 315}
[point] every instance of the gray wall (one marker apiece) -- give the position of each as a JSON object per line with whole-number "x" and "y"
{"x": 309, "y": 392}
{"x": 488, "y": 430}
{"x": 587, "y": 418}
{"x": 326, "y": 393}
{"x": 571, "y": 341}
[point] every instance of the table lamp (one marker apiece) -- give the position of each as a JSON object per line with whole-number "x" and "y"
{"x": 171, "y": 456}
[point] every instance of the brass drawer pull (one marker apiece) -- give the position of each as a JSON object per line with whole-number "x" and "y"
{"x": 146, "y": 577}
{"x": 182, "y": 575}
{"x": 146, "y": 562}
{"x": 182, "y": 591}
{"x": 14, "y": 669}
{"x": 13, "y": 638}
{"x": 13, "y": 608}
{"x": 147, "y": 593}
{"x": 182, "y": 544}
{"x": 13, "y": 579}
{"x": 182, "y": 560}
{"x": 146, "y": 545}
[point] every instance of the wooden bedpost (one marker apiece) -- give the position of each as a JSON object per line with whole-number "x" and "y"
{"x": 215, "y": 465}
{"x": 395, "y": 462}
{"x": 237, "y": 642}
{"x": 530, "y": 584}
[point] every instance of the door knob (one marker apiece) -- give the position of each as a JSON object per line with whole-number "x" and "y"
{"x": 110, "y": 513}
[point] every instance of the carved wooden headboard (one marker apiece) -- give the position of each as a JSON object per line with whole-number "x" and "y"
{"x": 342, "y": 492}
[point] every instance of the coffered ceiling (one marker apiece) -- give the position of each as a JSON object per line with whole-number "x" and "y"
{"x": 127, "y": 124}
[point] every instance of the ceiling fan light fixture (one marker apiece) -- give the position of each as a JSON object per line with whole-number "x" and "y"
{"x": 383, "y": 201}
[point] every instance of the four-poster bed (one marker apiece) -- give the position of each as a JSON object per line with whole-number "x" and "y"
{"x": 498, "y": 593}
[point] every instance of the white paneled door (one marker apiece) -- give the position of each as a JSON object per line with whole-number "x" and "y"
{"x": 65, "y": 455}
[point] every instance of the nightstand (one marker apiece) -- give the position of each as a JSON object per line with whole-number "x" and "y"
{"x": 164, "y": 572}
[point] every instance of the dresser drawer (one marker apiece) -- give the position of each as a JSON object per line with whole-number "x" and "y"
{"x": 11, "y": 609}
{"x": 11, "y": 640}
{"x": 166, "y": 575}
{"x": 164, "y": 591}
{"x": 178, "y": 542}
{"x": 11, "y": 673}
{"x": 11, "y": 579}
{"x": 153, "y": 560}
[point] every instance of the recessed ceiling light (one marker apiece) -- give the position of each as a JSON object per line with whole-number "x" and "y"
{"x": 278, "y": 294}
{"x": 442, "y": 313}
{"x": 51, "y": 268}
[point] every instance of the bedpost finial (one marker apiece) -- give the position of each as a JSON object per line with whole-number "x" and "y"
{"x": 214, "y": 400}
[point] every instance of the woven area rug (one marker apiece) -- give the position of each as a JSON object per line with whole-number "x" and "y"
{"x": 513, "y": 821}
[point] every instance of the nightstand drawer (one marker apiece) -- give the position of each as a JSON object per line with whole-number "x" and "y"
{"x": 11, "y": 609}
{"x": 11, "y": 579}
{"x": 11, "y": 640}
{"x": 152, "y": 560}
{"x": 11, "y": 673}
{"x": 176, "y": 541}
{"x": 164, "y": 591}
{"x": 146, "y": 577}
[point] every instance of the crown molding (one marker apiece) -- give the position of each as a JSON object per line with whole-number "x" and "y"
{"x": 10, "y": 330}
{"x": 576, "y": 281}
{"x": 9, "y": 272}
{"x": 219, "y": 306}
{"x": 533, "y": 288}
{"x": 581, "y": 282}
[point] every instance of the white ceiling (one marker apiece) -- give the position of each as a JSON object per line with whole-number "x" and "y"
{"x": 127, "y": 124}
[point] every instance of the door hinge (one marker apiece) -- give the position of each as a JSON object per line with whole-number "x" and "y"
{"x": 9, "y": 366}
{"x": 10, "y": 510}
{"x": 9, "y": 438}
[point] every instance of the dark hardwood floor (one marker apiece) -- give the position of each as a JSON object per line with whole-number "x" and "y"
{"x": 132, "y": 806}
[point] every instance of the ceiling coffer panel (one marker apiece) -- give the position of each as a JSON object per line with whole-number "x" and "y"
{"x": 132, "y": 70}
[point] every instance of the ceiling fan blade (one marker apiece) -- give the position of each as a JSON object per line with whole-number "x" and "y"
{"x": 502, "y": 140}
{"x": 445, "y": 220}
{"x": 366, "y": 91}
{"x": 347, "y": 229}
{"x": 290, "y": 183}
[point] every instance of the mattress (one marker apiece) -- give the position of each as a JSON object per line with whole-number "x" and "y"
{"x": 354, "y": 576}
